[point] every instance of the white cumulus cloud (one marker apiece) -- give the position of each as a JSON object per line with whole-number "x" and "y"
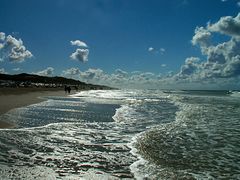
{"x": 79, "y": 43}
{"x": 202, "y": 37}
{"x": 13, "y": 49}
{"x": 227, "y": 25}
{"x": 81, "y": 54}
{"x": 46, "y": 72}
{"x": 72, "y": 71}
{"x": 222, "y": 60}
{"x": 218, "y": 67}
{"x": 92, "y": 73}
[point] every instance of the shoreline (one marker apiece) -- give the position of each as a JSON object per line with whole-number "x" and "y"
{"x": 11, "y": 98}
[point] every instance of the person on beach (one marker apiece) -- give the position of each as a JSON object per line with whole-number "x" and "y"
{"x": 67, "y": 89}
{"x": 76, "y": 88}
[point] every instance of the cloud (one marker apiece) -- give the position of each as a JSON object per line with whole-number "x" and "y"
{"x": 2, "y": 71}
{"x": 150, "y": 49}
{"x": 1, "y": 46}
{"x": 92, "y": 74}
{"x": 148, "y": 79}
{"x": 162, "y": 50}
{"x": 232, "y": 68}
{"x": 16, "y": 69}
{"x": 227, "y": 25}
{"x": 222, "y": 60}
{"x": 144, "y": 77}
{"x": 72, "y": 71}
{"x": 13, "y": 49}
{"x": 218, "y": 67}
{"x": 121, "y": 72}
{"x": 119, "y": 78}
{"x": 135, "y": 72}
{"x": 81, "y": 54}
{"x": 190, "y": 66}
{"x": 79, "y": 43}
{"x": 46, "y": 72}
{"x": 238, "y": 3}
{"x": 2, "y": 36}
{"x": 201, "y": 37}
{"x": 153, "y": 50}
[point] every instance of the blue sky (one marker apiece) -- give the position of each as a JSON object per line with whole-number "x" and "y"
{"x": 153, "y": 37}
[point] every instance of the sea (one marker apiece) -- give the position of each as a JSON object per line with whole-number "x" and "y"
{"x": 124, "y": 134}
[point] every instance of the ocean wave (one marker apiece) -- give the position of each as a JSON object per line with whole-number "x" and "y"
{"x": 235, "y": 94}
{"x": 125, "y": 134}
{"x": 68, "y": 149}
{"x": 196, "y": 143}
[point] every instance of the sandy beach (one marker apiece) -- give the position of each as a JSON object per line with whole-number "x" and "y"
{"x": 11, "y": 98}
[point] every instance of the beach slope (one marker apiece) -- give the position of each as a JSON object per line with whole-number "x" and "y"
{"x": 11, "y": 98}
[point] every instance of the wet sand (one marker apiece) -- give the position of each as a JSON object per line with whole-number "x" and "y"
{"x": 11, "y": 98}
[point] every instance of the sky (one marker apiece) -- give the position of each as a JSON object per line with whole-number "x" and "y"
{"x": 162, "y": 44}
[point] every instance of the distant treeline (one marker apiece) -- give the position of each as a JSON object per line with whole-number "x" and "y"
{"x": 59, "y": 81}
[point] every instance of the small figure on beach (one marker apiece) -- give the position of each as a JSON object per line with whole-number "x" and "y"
{"x": 67, "y": 89}
{"x": 76, "y": 88}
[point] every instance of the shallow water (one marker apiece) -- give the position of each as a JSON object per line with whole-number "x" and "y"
{"x": 125, "y": 134}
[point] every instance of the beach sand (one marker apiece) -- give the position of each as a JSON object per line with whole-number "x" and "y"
{"x": 11, "y": 98}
